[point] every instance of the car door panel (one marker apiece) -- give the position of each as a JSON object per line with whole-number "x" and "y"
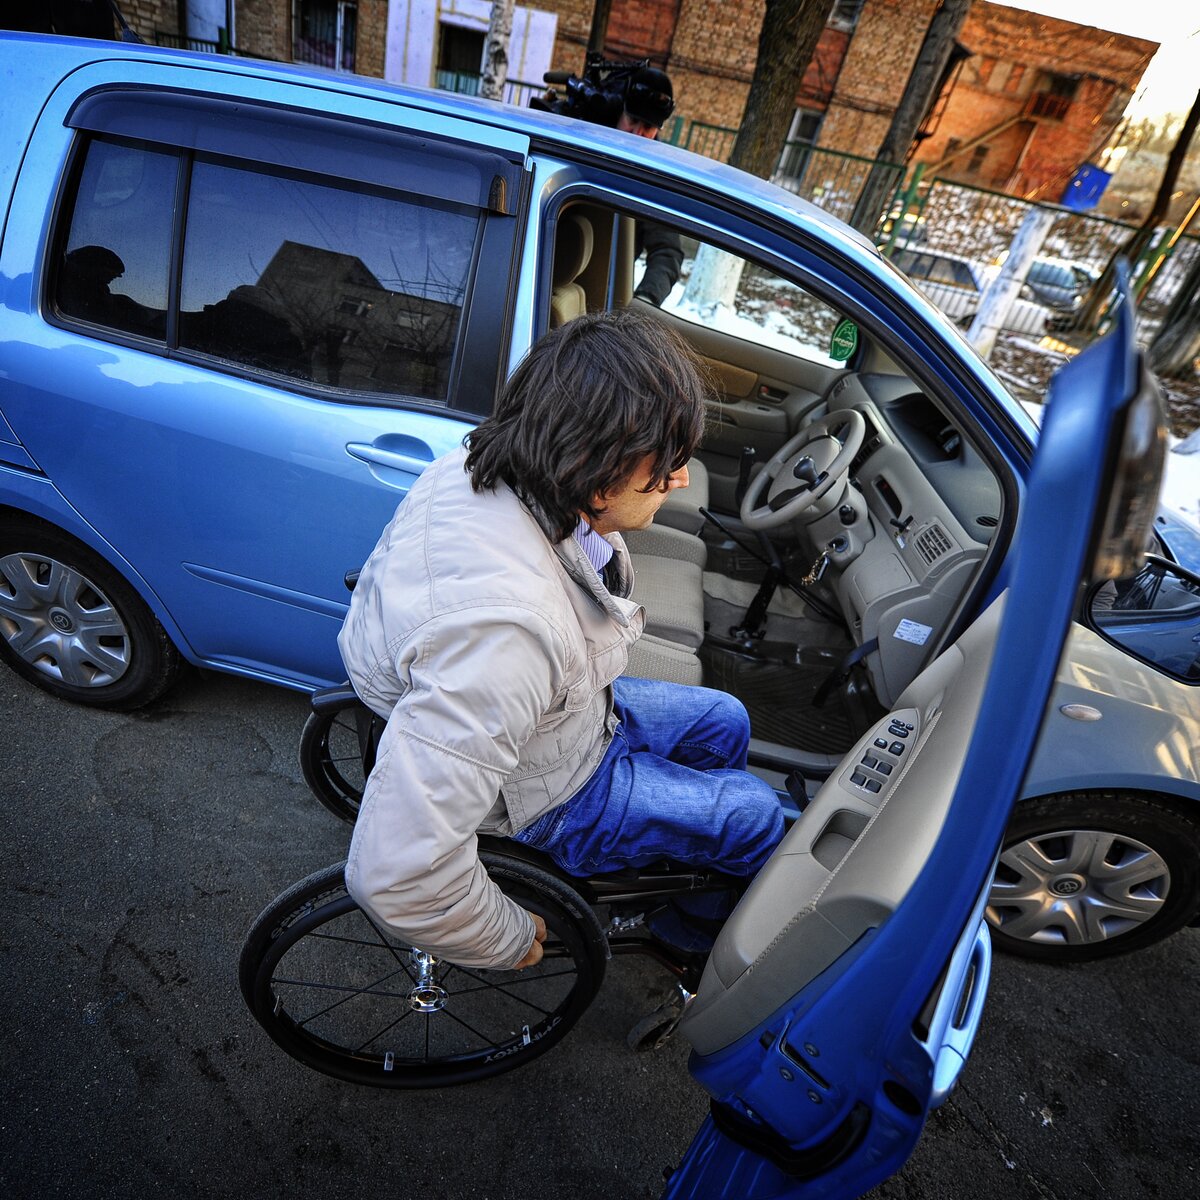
{"x": 824, "y": 1053}
{"x": 271, "y": 489}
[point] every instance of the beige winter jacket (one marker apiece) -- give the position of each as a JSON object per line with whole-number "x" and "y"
{"x": 490, "y": 649}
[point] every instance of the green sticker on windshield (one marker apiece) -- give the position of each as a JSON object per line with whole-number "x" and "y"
{"x": 844, "y": 341}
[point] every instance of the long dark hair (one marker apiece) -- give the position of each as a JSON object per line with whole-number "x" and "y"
{"x": 591, "y": 401}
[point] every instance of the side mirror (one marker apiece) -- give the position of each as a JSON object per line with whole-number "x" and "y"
{"x": 1153, "y": 615}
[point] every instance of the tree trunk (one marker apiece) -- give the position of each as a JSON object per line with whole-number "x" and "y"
{"x": 1175, "y": 347}
{"x": 918, "y": 98}
{"x": 495, "y": 50}
{"x": 1088, "y": 317}
{"x": 789, "y": 35}
{"x": 599, "y": 32}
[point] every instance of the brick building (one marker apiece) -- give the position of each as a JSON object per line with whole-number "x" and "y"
{"x": 1031, "y": 99}
{"x": 1036, "y": 98}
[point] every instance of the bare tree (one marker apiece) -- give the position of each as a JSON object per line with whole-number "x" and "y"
{"x": 919, "y": 94}
{"x": 789, "y": 35}
{"x": 495, "y": 50}
{"x": 601, "y": 10}
{"x": 1175, "y": 347}
{"x": 1093, "y": 308}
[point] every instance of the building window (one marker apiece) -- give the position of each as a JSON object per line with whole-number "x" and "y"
{"x": 977, "y": 157}
{"x": 1059, "y": 85}
{"x": 1053, "y": 95}
{"x": 325, "y": 33}
{"x": 459, "y": 58}
{"x": 845, "y": 14}
{"x": 797, "y": 150}
{"x": 983, "y": 71}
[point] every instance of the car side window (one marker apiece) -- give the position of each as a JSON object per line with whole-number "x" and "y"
{"x": 115, "y": 263}
{"x": 341, "y": 286}
{"x": 333, "y": 284}
{"x": 960, "y": 274}
{"x": 752, "y": 302}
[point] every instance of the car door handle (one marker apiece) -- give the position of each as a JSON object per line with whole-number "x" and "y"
{"x": 968, "y": 996}
{"x": 394, "y": 459}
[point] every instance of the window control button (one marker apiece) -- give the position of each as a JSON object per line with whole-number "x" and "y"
{"x": 869, "y": 762}
{"x": 859, "y": 778}
{"x": 884, "y": 768}
{"x": 897, "y": 747}
{"x": 873, "y": 785}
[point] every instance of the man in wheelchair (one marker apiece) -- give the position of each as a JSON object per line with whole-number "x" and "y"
{"x": 491, "y": 627}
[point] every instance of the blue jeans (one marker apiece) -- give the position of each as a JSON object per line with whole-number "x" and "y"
{"x": 672, "y": 785}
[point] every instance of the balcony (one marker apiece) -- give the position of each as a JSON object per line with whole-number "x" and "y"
{"x": 1046, "y": 106}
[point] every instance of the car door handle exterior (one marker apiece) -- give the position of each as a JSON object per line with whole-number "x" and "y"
{"x": 394, "y": 459}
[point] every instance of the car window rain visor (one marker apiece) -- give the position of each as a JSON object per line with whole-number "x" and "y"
{"x": 349, "y": 149}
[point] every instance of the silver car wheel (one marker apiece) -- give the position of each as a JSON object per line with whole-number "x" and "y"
{"x": 60, "y": 623}
{"x": 1077, "y": 887}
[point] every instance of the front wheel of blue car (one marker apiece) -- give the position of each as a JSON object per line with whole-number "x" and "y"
{"x": 72, "y": 625}
{"x": 1089, "y": 875}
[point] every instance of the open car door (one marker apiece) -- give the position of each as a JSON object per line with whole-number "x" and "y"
{"x": 842, "y": 997}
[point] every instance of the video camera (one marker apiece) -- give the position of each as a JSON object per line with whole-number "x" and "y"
{"x": 607, "y": 88}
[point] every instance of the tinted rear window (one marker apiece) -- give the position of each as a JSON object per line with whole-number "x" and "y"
{"x": 115, "y": 265}
{"x": 337, "y": 286}
{"x": 333, "y": 284}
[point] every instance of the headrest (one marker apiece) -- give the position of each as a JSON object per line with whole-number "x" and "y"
{"x": 572, "y": 248}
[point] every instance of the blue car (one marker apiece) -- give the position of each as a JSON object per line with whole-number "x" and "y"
{"x": 242, "y": 305}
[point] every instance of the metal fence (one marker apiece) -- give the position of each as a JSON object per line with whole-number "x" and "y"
{"x": 174, "y": 41}
{"x": 831, "y": 179}
{"x": 978, "y": 225}
{"x": 516, "y": 91}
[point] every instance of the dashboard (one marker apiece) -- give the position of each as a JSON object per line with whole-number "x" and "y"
{"x": 925, "y": 505}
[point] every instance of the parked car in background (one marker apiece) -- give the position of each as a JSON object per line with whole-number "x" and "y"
{"x": 956, "y": 285}
{"x": 244, "y": 305}
{"x": 1060, "y": 285}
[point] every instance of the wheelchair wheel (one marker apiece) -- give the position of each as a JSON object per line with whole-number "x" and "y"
{"x": 333, "y": 746}
{"x": 343, "y": 995}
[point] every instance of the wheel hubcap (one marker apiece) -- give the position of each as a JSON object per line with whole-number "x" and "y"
{"x": 59, "y": 622}
{"x": 1077, "y": 887}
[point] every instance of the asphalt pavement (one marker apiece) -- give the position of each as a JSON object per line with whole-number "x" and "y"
{"x": 139, "y": 848}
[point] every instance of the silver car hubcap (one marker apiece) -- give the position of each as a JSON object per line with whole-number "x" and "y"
{"x": 60, "y": 623}
{"x": 1077, "y": 886}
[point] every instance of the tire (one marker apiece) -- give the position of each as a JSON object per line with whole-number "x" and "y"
{"x": 72, "y": 625}
{"x": 1090, "y": 875}
{"x": 336, "y": 754}
{"x": 339, "y": 995}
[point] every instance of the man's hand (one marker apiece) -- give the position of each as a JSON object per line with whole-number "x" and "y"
{"x": 535, "y": 951}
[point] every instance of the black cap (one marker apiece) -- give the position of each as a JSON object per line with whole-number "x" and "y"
{"x": 649, "y": 96}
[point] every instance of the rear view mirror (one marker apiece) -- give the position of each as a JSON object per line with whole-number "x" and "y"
{"x": 1153, "y": 615}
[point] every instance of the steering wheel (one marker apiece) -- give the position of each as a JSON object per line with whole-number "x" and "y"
{"x": 804, "y": 470}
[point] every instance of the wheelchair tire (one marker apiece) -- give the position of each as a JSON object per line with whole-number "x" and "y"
{"x": 339, "y": 992}
{"x": 333, "y": 746}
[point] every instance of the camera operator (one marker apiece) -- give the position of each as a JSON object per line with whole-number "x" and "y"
{"x": 634, "y": 98}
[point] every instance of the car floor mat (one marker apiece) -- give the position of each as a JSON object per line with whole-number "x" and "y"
{"x": 777, "y": 688}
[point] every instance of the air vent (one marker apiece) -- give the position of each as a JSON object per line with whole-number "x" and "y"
{"x": 987, "y": 522}
{"x": 932, "y": 543}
